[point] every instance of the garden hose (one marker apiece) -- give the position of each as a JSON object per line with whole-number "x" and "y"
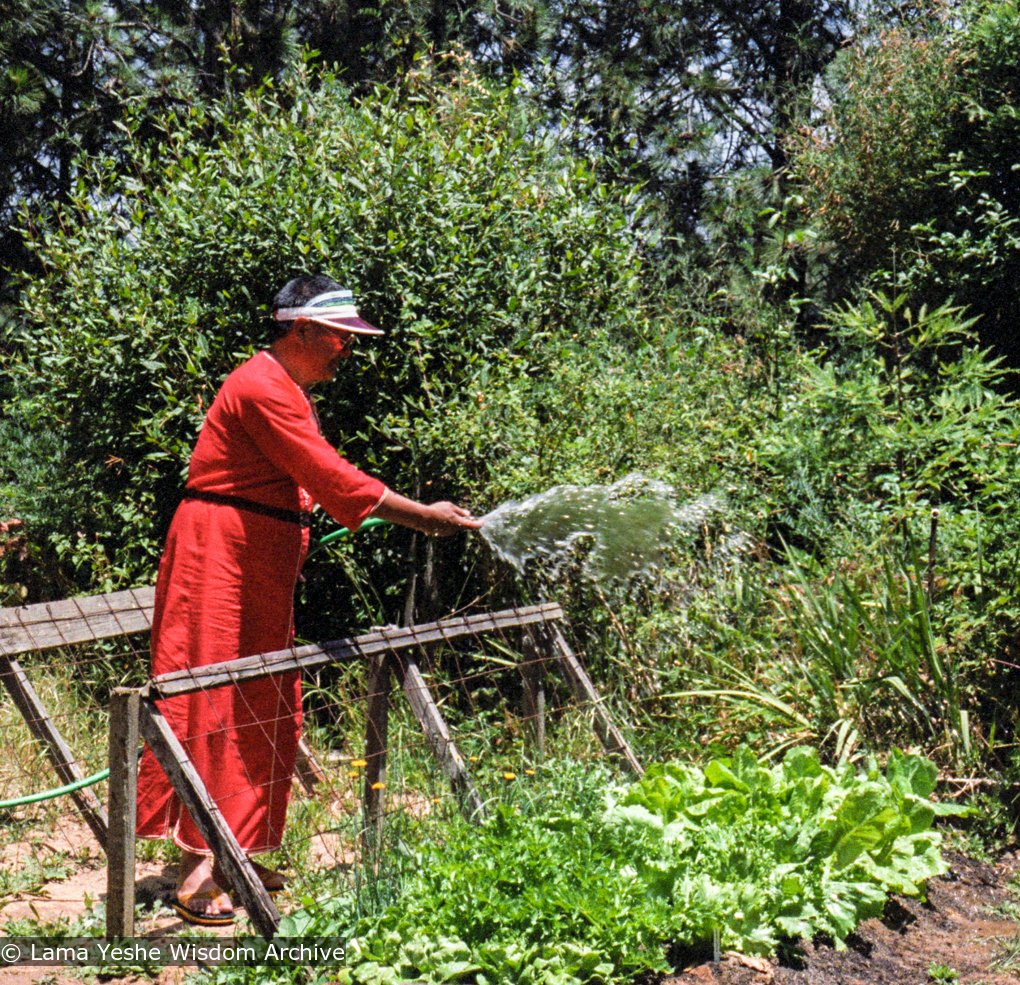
{"x": 89, "y": 781}
{"x": 34, "y": 798}
{"x": 341, "y": 532}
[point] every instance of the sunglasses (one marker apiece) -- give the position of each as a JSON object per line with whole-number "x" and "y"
{"x": 346, "y": 338}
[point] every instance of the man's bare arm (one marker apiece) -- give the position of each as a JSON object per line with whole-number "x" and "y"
{"x": 434, "y": 519}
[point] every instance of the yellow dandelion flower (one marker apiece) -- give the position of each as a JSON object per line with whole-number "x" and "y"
{"x": 472, "y": 759}
{"x": 353, "y": 773}
{"x": 529, "y": 772}
{"x": 360, "y": 763}
{"x": 509, "y": 776}
{"x": 379, "y": 785}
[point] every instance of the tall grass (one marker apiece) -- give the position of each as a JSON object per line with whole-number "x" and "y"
{"x": 857, "y": 659}
{"x": 867, "y": 647}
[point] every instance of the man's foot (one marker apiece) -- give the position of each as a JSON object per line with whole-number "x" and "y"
{"x": 273, "y": 881}
{"x": 200, "y": 899}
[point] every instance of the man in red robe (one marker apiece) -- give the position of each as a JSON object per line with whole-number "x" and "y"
{"x": 226, "y": 581}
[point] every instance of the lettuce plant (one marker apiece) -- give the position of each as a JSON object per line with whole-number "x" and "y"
{"x": 757, "y": 853}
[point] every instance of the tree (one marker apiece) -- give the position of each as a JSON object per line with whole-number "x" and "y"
{"x": 679, "y": 91}
{"x": 913, "y": 176}
{"x": 74, "y": 70}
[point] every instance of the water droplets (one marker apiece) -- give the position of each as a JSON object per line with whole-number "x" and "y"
{"x": 616, "y": 533}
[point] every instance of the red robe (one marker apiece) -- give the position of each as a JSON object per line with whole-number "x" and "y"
{"x": 225, "y": 589}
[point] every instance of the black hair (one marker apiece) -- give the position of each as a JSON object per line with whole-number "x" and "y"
{"x": 295, "y": 293}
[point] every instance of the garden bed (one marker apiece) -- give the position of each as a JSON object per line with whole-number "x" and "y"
{"x": 966, "y": 932}
{"x": 968, "y": 925}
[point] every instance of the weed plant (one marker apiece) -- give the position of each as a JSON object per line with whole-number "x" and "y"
{"x": 91, "y": 923}
{"x": 32, "y": 873}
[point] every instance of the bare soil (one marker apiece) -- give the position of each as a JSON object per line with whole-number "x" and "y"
{"x": 64, "y": 900}
{"x": 969, "y": 925}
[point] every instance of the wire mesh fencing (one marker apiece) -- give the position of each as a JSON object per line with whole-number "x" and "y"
{"x": 396, "y": 733}
{"x": 406, "y": 724}
{"x": 73, "y": 685}
{"x": 59, "y": 662}
{"x": 463, "y": 724}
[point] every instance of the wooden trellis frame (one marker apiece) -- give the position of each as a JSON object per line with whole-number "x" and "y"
{"x": 386, "y": 653}
{"x": 134, "y": 715}
{"x": 25, "y": 629}
{"x": 47, "y": 625}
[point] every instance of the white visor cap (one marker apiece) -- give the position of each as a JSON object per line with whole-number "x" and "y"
{"x": 335, "y": 309}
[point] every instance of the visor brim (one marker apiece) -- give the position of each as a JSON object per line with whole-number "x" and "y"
{"x": 357, "y": 326}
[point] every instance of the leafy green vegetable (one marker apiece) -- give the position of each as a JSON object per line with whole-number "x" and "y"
{"x": 580, "y": 880}
{"x": 759, "y": 852}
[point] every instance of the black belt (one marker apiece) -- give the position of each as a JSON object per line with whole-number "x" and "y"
{"x": 301, "y": 518}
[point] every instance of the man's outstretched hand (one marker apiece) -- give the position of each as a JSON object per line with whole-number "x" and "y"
{"x": 434, "y": 519}
{"x": 447, "y": 518}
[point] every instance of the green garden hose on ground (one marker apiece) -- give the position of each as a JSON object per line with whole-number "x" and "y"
{"x": 34, "y": 798}
{"x": 89, "y": 781}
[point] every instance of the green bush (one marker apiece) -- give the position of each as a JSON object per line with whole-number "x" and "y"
{"x": 900, "y": 431}
{"x": 849, "y": 626}
{"x": 899, "y": 413}
{"x": 463, "y": 233}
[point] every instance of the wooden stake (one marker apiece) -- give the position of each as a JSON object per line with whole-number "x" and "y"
{"x": 184, "y": 778}
{"x": 580, "y": 683}
{"x": 41, "y": 726}
{"x": 307, "y": 770}
{"x": 434, "y": 725}
{"x": 120, "y": 843}
{"x": 376, "y": 740}
{"x": 533, "y": 697}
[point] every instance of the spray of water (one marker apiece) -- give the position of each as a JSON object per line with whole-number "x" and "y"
{"x": 619, "y": 532}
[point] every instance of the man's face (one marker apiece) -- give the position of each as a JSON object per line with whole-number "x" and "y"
{"x": 326, "y": 348}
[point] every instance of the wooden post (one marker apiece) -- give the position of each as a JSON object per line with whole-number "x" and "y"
{"x": 580, "y": 683}
{"x": 376, "y": 741}
{"x": 41, "y": 726}
{"x": 207, "y": 817}
{"x": 533, "y": 696}
{"x": 308, "y": 772}
{"x": 933, "y": 533}
{"x": 438, "y": 734}
{"x": 120, "y": 844}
